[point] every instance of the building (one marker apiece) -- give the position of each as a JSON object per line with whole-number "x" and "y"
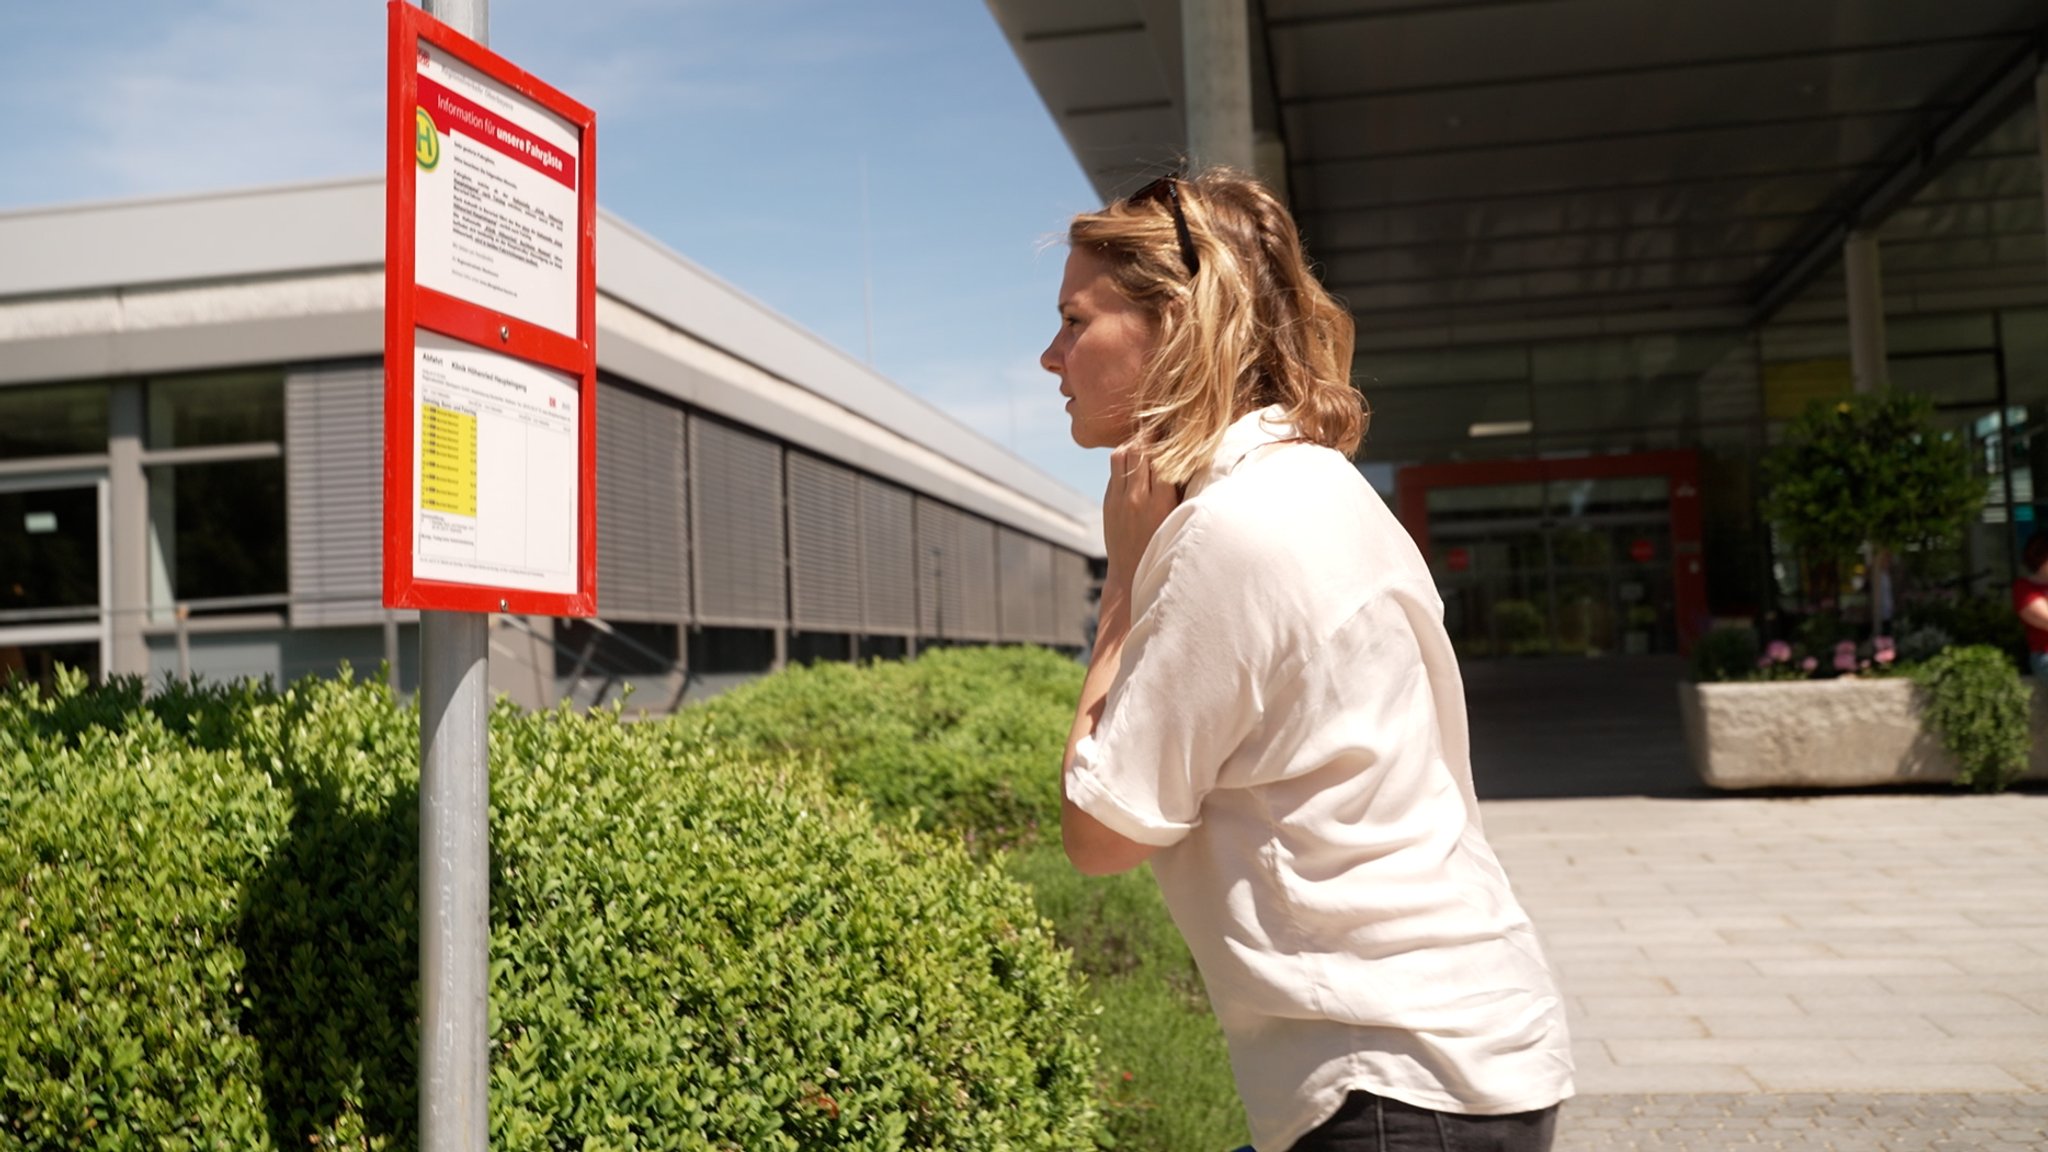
{"x": 190, "y": 461}
{"x": 1599, "y": 251}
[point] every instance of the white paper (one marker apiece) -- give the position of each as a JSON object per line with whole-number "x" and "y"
{"x": 493, "y": 223}
{"x": 494, "y": 469}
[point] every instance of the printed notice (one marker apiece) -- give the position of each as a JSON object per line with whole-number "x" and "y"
{"x": 494, "y": 469}
{"x": 447, "y": 461}
{"x": 495, "y": 205}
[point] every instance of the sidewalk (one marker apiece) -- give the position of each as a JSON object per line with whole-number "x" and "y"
{"x": 1846, "y": 971}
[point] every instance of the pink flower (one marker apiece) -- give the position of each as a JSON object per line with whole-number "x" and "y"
{"x": 1845, "y": 656}
{"x": 1778, "y": 652}
{"x": 1885, "y": 655}
{"x": 1883, "y": 643}
{"x": 1808, "y": 664}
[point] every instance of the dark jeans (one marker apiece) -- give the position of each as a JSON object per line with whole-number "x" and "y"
{"x": 1369, "y": 1123}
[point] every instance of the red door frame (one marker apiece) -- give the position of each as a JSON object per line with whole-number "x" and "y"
{"x": 1681, "y": 469}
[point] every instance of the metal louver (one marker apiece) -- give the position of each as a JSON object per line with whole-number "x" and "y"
{"x": 334, "y": 462}
{"x": 736, "y": 526}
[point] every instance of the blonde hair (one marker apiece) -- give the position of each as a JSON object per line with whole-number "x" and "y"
{"x": 1252, "y": 327}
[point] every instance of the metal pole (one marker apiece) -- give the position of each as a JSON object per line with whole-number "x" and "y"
{"x": 455, "y": 848}
{"x": 472, "y": 18}
{"x": 455, "y": 898}
{"x": 184, "y": 614}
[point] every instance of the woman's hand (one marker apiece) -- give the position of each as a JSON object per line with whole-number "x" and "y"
{"x": 1132, "y": 509}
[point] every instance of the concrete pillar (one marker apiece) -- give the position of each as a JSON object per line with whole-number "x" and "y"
{"x": 1866, "y": 311}
{"x": 127, "y": 530}
{"x": 1217, "y": 74}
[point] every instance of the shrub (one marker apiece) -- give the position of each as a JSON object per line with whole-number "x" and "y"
{"x": 1521, "y": 627}
{"x": 961, "y": 740}
{"x": 1922, "y": 642}
{"x": 208, "y": 937}
{"x": 969, "y": 740}
{"x": 1971, "y": 620}
{"x": 1978, "y": 707}
{"x": 1728, "y": 652}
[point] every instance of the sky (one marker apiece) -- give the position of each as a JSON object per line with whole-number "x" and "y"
{"x": 833, "y": 160}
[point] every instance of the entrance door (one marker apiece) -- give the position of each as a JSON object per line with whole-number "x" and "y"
{"x": 53, "y": 575}
{"x": 1591, "y": 557}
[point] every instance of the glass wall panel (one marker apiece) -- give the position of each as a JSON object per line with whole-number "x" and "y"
{"x": 217, "y": 530}
{"x": 49, "y": 553}
{"x": 1952, "y": 332}
{"x": 1960, "y": 378}
{"x": 53, "y": 420}
{"x": 1436, "y": 422}
{"x": 190, "y": 411}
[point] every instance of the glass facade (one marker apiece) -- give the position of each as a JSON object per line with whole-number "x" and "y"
{"x": 1531, "y": 575}
{"x": 183, "y": 525}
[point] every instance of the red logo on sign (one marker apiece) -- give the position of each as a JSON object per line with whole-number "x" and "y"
{"x": 1458, "y": 559}
{"x": 1642, "y": 551}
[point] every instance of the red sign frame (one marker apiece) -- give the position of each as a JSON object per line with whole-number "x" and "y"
{"x": 409, "y": 307}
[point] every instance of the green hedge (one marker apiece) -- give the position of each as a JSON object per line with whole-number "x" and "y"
{"x": 961, "y": 740}
{"x": 968, "y": 741}
{"x": 207, "y": 939}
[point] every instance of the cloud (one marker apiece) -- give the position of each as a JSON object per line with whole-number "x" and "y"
{"x": 206, "y": 96}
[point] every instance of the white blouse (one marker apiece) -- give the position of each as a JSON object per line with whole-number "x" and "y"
{"x": 1288, "y": 726}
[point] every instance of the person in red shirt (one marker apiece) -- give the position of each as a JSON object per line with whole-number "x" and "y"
{"x": 2030, "y": 600}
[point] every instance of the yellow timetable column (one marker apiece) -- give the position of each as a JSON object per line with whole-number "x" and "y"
{"x": 447, "y": 461}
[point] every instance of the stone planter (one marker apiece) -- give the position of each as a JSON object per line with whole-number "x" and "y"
{"x": 1844, "y": 733}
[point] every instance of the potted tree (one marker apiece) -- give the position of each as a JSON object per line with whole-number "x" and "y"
{"x": 1870, "y": 478}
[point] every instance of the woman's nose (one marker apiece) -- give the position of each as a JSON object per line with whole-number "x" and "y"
{"x": 1050, "y": 358}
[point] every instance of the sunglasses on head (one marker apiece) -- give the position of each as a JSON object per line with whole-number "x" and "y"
{"x": 1166, "y": 190}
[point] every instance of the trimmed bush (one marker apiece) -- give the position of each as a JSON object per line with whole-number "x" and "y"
{"x": 208, "y": 938}
{"x": 968, "y": 740}
{"x": 960, "y": 740}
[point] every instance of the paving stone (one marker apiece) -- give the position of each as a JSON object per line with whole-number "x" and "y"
{"x": 1915, "y": 939}
{"x": 1885, "y": 1077}
{"x": 1729, "y": 1051}
{"x": 1856, "y": 1028}
{"x": 1801, "y": 1122}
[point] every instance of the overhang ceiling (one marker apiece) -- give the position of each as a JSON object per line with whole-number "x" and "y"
{"x": 1502, "y": 169}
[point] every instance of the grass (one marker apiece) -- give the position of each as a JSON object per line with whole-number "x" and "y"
{"x": 1165, "y": 1073}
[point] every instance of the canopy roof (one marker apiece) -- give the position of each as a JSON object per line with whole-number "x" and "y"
{"x": 1492, "y": 170}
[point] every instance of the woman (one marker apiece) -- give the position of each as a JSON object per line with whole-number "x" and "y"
{"x": 2030, "y": 601}
{"x": 1273, "y": 716}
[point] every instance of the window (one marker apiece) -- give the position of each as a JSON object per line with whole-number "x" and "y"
{"x": 217, "y": 530}
{"x": 58, "y": 420}
{"x": 714, "y": 650}
{"x": 618, "y": 648}
{"x": 215, "y": 469}
{"x": 194, "y": 411}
